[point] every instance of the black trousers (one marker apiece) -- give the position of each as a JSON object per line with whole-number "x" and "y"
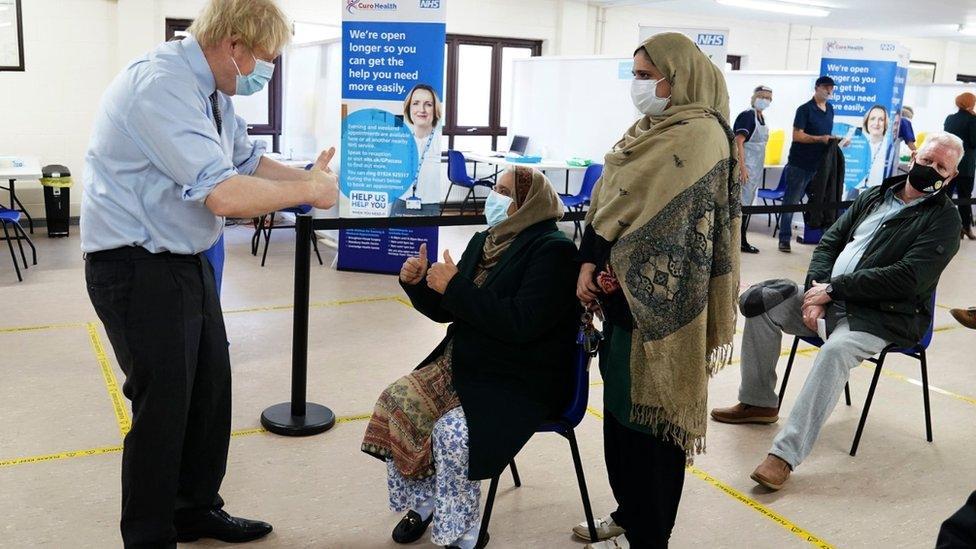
{"x": 964, "y": 190}
{"x": 959, "y": 530}
{"x": 163, "y": 318}
{"x": 646, "y": 476}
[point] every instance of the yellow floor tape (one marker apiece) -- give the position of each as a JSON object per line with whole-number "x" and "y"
{"x": 62, "y": 455}
{"x": 746, "y": 500}
{"x": 732, "y": 492}
{"x": 932, "y": 388}
{"x": 801, "y": 352}
{"x": 19, "y": 329}
{"x": 115, "y": 449}
{"x": 121, "y": 415}
{"x": 125, "y": 423}
{"x": 761, "y": 509}
{"x": 318, "y": 305}
{"x": 336, "y": 303}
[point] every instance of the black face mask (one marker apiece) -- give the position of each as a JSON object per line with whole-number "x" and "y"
{"x": 926, "y": 179}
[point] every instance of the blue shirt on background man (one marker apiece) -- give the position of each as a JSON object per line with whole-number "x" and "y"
{"x": 905, "y": 131}
{"x": 156, "y": 155}
{"x": 813, "y": 122}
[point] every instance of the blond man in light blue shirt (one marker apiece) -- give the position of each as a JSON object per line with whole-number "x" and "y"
{"x": 168, "y": 160}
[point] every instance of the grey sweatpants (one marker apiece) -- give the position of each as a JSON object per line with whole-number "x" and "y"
{"x": 761, "y": 343}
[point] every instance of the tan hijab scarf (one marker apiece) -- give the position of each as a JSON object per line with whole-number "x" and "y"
{"x": 669, "y": 201}
{"x": 536, "y": 201}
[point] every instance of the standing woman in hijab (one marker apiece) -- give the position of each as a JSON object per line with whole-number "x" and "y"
{"x": 502, "y": 369}
{"x": 660, "y": 258}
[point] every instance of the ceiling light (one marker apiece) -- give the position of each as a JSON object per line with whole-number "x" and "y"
{"x": 776, "y": 7}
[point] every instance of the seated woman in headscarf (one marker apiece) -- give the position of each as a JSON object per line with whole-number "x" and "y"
{"x": 660, "y": 258}
{"x": 504, "y": 367}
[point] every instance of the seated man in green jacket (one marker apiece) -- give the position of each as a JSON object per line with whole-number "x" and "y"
{"x": 870, "y": 284}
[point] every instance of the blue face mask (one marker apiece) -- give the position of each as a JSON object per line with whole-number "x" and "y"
{"x": 256, "y": 81}
{"x": 496, "y": 208}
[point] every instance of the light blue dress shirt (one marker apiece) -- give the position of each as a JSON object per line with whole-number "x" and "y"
{"x": 851, "y": 255}
{"x": 155, "y": 155}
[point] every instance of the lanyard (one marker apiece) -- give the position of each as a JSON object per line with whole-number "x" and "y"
{"x": 423, "y": 155}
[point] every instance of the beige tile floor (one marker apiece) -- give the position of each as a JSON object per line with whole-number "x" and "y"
{"x": 60, "y": 438}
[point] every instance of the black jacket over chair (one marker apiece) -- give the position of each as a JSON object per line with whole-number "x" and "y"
{"x": 827, "y": 187}
{"x": 514, "y": 340}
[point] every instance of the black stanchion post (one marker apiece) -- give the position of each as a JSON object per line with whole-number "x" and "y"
{"x": 299, "y": 418}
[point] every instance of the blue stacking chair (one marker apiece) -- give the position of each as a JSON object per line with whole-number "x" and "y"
{"x": 579, "y": 201}
{"x": 12, "y": 218}
{"x": 917, "y": 352}
{"x": 774, "y": 196}
{"x": 215, "y": 255}
{"x": 261, "y": 230}
{"x": 565, "y": 426}
{"x": 457, "y": 174}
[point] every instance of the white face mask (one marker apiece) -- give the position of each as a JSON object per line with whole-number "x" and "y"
{"x": 644, "y": 95}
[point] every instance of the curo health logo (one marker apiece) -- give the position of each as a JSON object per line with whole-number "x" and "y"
{"x": 352, "y": 6}
{"x": 835, "y": 46}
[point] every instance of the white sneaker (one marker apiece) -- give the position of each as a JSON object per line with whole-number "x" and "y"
{"x": 619, "y": 542}
{"x": 606, "y": 528}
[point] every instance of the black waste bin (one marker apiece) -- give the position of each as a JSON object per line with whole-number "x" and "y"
{"x": 57, "y": 198}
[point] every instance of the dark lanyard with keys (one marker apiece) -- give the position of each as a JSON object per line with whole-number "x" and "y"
{"x": 589, "y": 337}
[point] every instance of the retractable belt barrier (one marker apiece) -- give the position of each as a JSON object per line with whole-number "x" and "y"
{"x": 301, "y": 418}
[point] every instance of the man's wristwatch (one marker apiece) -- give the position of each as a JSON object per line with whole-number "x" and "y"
{"x": 829, "y": 290}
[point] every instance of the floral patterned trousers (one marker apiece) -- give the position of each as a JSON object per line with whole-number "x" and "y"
{"x": 456, "y": 498}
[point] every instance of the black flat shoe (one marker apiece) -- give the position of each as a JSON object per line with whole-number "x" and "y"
{"x": 411, "y": 527}
{"x": 749, "y": 249}
{"x": 478, "y": 546}
{"x": 217, "y": 524}
{"x": 784, "y": 247}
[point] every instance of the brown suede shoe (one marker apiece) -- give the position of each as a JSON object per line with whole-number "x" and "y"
{"x": 772, "y": 473}
{"x": 966, "y": 317}
{"x": 745, "y": 413}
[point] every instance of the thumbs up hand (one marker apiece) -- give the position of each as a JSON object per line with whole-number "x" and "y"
{"x": 440, "y": 274}
{"x": 414, "y": 268}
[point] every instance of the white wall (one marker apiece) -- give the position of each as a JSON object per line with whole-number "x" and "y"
{"x": 69, "y": 52}
{"x": 532, "y": 19}
{"x": 73, "y": 49}
{"x": 777, "y": 46}
{"x": 621, "y": 35}
{"x": 58, "y": 95}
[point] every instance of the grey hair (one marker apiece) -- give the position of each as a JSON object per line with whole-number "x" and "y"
{"x": 759, "y": 89}
{"x": 944, "y": 139}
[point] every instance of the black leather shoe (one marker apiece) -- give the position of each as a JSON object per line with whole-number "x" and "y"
{"x": 478, "y": 546}
{"x": 749, "y": 249}
{"x": 784, "y": 247}
{"x": 217, "y": 524}
{"x": 411, "y": 527}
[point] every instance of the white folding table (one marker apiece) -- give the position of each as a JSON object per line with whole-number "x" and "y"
{"x": 501, "y": 162}
{"x": 13, "y": 168}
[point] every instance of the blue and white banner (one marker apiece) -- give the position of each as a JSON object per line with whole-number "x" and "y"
{"x": 870, "y": 84}
{"x": 392, "y": 87}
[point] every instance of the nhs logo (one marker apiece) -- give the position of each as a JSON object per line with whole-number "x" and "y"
{"x": 710, "y": 39}
{"x": 430, "y": 4}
